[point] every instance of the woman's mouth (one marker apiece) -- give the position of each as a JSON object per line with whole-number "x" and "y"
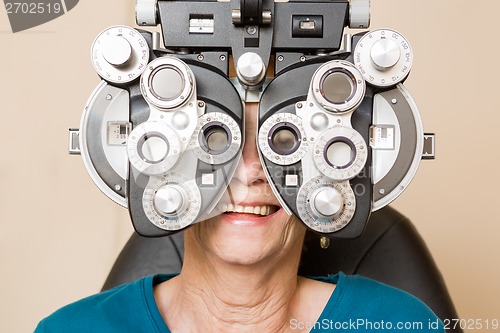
{"x": 263, "y": 210}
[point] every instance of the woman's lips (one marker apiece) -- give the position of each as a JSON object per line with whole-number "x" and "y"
{"x": 248, "y": 214}
{"x": 263, "y": 210}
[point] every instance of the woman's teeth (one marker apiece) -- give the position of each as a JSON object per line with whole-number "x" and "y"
{"x": 258, "y": 210}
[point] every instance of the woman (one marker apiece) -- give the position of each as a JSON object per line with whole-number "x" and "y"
{"x": 240, "y": 275}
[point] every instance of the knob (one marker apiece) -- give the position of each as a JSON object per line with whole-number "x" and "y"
{"x": 117, "y": 51}
{"x": 385, "y": 54}
{"x": 359, "y": 14}
{"x": 146, "y": 12}
{"x": 120, "y": 54}
{"x": 327, "y": 202}
{"x": 169, "y": 200}
{"x": 250, "y": 69}
{"x": 384, "y": 57}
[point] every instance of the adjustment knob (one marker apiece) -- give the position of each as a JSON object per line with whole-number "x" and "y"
{"x": 327, "y": 202}
{"x": 359, "y": 14}
{"x": 146, "y": 12}
{"x": 250, "y": 69}
{"x": 117, "y": 51}
{"x": 169, "y": 200}
{"x": 384, "y": 57}
{"x": 385, "y": 54}
{"x": 120, "y": 54}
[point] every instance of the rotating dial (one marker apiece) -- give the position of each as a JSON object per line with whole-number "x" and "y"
{"x": 153, "y": 148}
{"x": 384, "y": 57}
{"x": 324, "y": 205}
{"x": 120, "y": 54}
{"x": 327, "y": 202}
{"x": 282, "y": 139}
{"x": 217, "y": 138}
{"x": 171, "y": 201}
{"x": 340, "y": 153}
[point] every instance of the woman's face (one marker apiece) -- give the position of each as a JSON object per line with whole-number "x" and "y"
{"x": 252, "y": 226}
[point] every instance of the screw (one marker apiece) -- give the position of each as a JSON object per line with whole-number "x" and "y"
{"x": 109, "y": 97}
{"x": 118, "y": 187}
{"x": 303, "y": 58}
{"x": 394, "y": 101}
{"x": 281, "y": 58}
{"x": 201, "y": 104}
{"x": 222, "y": 57}
{"x": 200, "y": 57}
{"x": 251, "y": 30}
{"x": 299, "y": 105}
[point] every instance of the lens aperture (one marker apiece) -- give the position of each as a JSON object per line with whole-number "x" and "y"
{"x": 337, "y": 87}
{"x": 284, "y": 138}
{"x": 154, "y": 149}
{"x": 217, "y": 139}
{"x": 167, "y": 83}
{"x": 339, "y": 154}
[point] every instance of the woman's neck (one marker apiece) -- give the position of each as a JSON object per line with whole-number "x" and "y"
{"x": 211, "y": 295}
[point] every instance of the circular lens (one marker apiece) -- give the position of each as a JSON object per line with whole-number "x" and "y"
{"x": 284, "y": 138}
{"x": 339, "y": 154}
{"x": 216, "y": 138}
{"x": 167, "y": 83}
{"x": 337, "y": 87}
{"x": 154, "y": 149}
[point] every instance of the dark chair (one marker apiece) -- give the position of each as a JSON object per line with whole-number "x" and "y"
{"x": 390, "y": 251}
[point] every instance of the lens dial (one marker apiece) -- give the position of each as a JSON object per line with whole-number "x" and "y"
{"x": 153, "y": 148}
{"x": 384, "y": 57}
{"x": 167, "y": 82}
{"x": 325, "y": 205}
{"x": 340, "y": 153}
{"x": 282, "y": 139}
{"x": 120, "y": 54}
{"x": 217, "y": 138}
{"x": 171, "y": 202}
{"x": 338, "y": 86}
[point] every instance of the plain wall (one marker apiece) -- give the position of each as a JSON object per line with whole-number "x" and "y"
{"x": 59, "y": 235}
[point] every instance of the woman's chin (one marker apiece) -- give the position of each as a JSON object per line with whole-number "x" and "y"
{"x": 247, "y": 239}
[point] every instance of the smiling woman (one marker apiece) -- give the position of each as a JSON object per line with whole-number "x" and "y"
{"x": 240, "y": 275}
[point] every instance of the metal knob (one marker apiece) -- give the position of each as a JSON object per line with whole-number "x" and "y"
{"x": 117, "y": 51}
{"x": 169, "y": 200}
{"x": 250, "y": 69}
{"x": 385, "y": 54}
{"x": 146, "y": 12}
{"x": 359, "y": 14}
{"x": 327, "y": 202}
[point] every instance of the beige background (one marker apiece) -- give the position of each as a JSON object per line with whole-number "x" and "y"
{"x": 59, "y": 235}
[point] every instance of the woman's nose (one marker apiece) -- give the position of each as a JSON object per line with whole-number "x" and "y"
{"x": 249, "y": 170}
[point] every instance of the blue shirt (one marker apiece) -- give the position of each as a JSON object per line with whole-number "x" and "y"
{"x": 357, "y": 304}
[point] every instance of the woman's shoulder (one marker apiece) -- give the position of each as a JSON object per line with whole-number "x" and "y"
{"x": 362, "y": 300}
{"x": 106, "y": 311}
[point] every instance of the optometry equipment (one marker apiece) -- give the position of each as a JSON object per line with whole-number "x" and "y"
{"x": 339, "y": 135}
